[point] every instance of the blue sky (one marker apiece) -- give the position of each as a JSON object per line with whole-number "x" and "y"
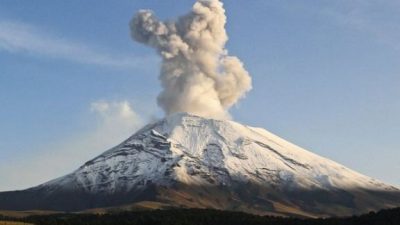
{"x": 326, "y": 76}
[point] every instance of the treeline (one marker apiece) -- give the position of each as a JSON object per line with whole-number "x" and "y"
{"x": 208, "y": 217}
{"x": 6, "y": 218}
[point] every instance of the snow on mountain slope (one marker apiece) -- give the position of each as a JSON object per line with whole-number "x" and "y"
{"x": 189, "y": 161}
{"x": 211, "y": 152}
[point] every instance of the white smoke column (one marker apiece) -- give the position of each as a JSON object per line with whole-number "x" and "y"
{"x": 197, "y": 75}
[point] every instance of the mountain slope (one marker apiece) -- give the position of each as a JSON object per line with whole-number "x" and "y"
{"x": 189, "y": 161}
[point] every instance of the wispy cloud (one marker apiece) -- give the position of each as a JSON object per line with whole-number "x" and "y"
{"x": 378, "y": 19}
{"x": 16, "y": 37}
{"x": 114, "y": 122}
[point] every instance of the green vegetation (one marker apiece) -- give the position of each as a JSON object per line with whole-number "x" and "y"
{"x": 203, "y": 217}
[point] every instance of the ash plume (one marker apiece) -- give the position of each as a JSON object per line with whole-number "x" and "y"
{"x": 198, "y": 75}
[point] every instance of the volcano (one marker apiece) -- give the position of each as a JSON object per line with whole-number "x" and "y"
{"x": 186, "y": 161}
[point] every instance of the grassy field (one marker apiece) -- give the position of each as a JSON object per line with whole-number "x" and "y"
{"x": 22, "y": 214}
{"x": 13, "y": 223}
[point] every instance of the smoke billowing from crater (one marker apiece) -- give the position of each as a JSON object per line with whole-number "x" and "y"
{"x": 198, "y": 75}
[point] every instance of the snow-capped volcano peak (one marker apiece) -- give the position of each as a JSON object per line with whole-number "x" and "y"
{"x": 194, "y": 150}
{"x": 186, "y": 160}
